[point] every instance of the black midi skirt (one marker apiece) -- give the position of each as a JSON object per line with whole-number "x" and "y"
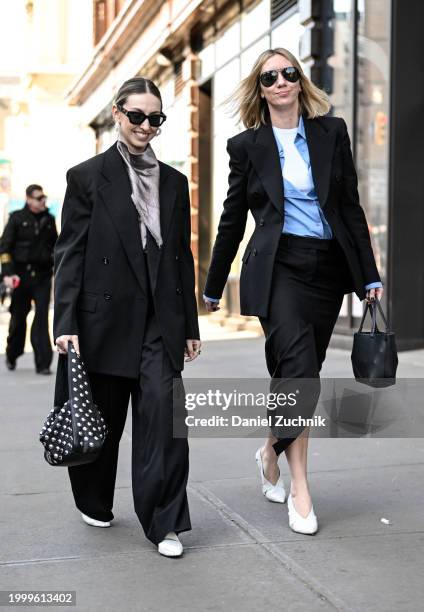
{"x": 310, "y": 278}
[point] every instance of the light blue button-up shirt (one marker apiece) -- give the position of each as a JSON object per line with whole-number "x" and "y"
{"x": 303, "y": 215}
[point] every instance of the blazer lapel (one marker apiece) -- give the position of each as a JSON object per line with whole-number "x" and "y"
{"x": 321, "y": 148}
{"x": 116, "y": 194}
{"x": 266, "y": 161}
{"x": 167, "y": 205}
{"x": 167, "y": 195}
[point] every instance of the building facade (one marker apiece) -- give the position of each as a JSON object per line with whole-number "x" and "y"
{"x": 198, "y": 50}
{"x": 43, "y": 47}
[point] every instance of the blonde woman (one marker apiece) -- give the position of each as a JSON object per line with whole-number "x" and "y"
{"x": 293, "y": 169}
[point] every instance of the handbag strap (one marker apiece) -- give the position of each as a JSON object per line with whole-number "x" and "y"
{"x": 64, "y": 387}
{"x": 380, "y": 309}
{"x": 364, "y": 314}
{"x": 372, "y": 308}
{"x": 373, "y": 321}
{"x": 77, "y": 371}
{"x": 61, "y": 390}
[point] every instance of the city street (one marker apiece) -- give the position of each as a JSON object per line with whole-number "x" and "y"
{"x": 241, "y": 554}
{"x": 263, "y": 152}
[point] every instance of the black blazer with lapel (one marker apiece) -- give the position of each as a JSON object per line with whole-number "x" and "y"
{"x": 256, "y": 184}
{"x": 101, "y": 274}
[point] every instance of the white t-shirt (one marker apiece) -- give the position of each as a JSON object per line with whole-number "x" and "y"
{"x": 295, "y": 169}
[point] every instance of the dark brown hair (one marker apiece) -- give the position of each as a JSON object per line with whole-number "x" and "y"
{"x": 31, "y": 188}
{"x": 136, "y": 85}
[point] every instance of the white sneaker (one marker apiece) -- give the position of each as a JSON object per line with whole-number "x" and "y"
{"x": 171, "y": 545}
{"x": 299, "y": 523}
{"x": 274, "y": 493}
{"x": 93, "y": 522}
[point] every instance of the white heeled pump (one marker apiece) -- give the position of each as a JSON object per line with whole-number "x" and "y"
{"x": 299, "y": 523}
{"x": 94, "y": 522}
{"x": 171, "y": 545}
{"x": 274, "y": 493}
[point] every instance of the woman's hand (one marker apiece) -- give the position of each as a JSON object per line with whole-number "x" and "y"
{"x": 376, "y": 292}
{"x": 62, "y": 344}
{"x": 211, "y": 306}
{"x": 192, "y": 349}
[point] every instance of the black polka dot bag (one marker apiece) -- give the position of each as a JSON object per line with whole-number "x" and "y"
{"x": 75, "y": 430}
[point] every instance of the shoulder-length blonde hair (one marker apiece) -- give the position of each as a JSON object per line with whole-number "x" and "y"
{"x": 253, "y": 109}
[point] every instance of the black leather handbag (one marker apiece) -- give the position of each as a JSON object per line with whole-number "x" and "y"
{"x": 75, "y": 430}
{"x": 374, "y": 355}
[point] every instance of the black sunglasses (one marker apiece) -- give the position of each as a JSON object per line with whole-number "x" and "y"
{"x": 39, "y": 198}
{"x": 270, "y": 77}
{"x": 138, "y": 117}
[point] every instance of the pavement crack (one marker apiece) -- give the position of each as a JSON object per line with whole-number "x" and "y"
{"x": 296, "y": 571}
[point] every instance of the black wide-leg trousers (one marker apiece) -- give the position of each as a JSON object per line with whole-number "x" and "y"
{"x": 160, "y": 462}
{"x": 310, "y": 278}
{"x": 20, "y": 305}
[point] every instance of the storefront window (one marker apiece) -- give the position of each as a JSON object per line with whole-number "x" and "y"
{"x": 224, "y": 126}
{"x": 342, "y": 61}
{"x": 372, "y": 122}
{"x": 170, "y": 147}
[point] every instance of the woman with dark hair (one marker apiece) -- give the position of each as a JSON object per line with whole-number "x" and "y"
{"x": 125, "y": 297}
{"x": 293, "y": 169}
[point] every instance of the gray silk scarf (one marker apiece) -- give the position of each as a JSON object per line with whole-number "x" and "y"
{"x": 143, "y": 172}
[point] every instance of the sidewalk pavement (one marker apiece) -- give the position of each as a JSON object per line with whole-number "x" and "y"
{"x": 241, "y": 554}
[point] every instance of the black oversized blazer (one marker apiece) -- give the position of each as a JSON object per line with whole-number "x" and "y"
{"x": 256, "y": 184}
{"x": 100, "y": 271}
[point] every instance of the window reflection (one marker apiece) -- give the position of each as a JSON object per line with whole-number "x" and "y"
{"x": 342, "y": 61}
{"x": 372, "y": 122}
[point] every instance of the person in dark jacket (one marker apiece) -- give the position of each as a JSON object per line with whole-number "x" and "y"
{"x": 125, "y": 297}
{"x": 293, "y": 169}
{"x": 26, "y": 256}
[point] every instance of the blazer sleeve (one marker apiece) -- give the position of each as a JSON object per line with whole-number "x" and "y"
{"x": 187, "y": 271}
{"x": 232, "y": 223}
{"x": 69, "y": 253}
{"x": 7, "y": 243}
{"x": 353, "y": 213}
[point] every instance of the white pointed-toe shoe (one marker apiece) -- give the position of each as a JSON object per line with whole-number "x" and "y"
{"x": 274, "y": 493}
{"x": 94, "y": 522}
{"x": 299, "y": 523}
{"x": 171, "y": 545}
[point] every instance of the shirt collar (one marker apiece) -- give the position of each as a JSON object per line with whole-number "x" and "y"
{"x": 301, "y": 128}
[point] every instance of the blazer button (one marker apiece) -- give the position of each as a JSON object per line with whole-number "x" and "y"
{"x": 178, "y": 290}
{"x": 105, "y": 260}
{"x": 255, "y": 252}
{"x": 176, "y": 257}
{"x": 261, "y": 222}
{"x": 338, "y": 178}
{"x": 107, "y": 296}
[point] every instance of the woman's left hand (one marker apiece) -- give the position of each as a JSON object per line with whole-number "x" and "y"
{"x": 192, "y": 349}
{"x": 376, "y": 292}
